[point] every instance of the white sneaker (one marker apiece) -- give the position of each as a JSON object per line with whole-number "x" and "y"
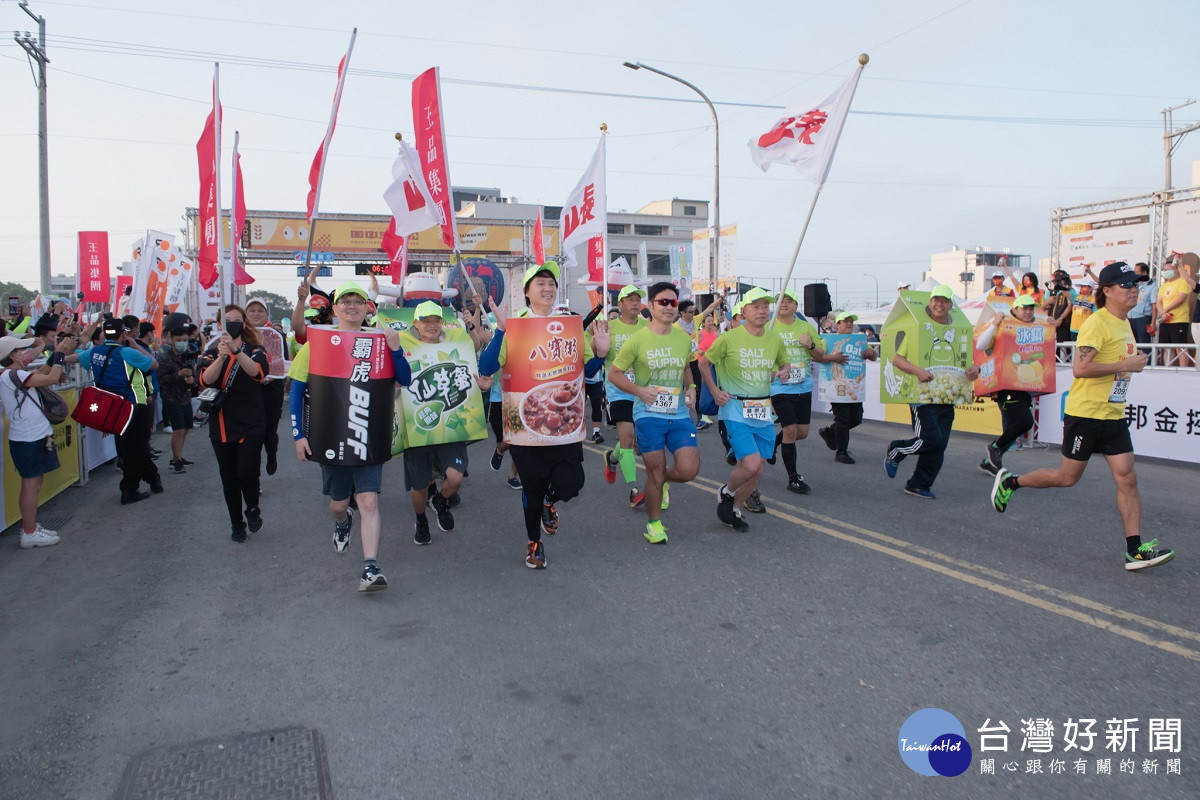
{"x": 39, "y": 538}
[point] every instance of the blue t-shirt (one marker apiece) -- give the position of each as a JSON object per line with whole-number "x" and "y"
{"x": 126, "y": 371}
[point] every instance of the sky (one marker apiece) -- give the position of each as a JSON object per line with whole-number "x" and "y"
{"x": 972, "y": 121}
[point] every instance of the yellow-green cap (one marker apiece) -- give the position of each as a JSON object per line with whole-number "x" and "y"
{"x": 1024, "y": 300}
{"x": 789, "y": 293}
{"x": 309, "y": 313}
{"x": 942, "y": 291}
{"x": 754, "y": 295}
{"x": 850, "y": 315}
{"x": 737, "y": 307}
{"x": 549, "y": 266}
{"x": 631, "y": 289}
{"x": 428, "y": 309}
{"x": 350, "y": 287}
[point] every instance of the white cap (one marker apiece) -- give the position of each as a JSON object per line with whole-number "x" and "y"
{"x": 903, "y": 285}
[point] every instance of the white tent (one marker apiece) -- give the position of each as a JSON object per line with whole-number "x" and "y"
{"x": 878, "y": 316}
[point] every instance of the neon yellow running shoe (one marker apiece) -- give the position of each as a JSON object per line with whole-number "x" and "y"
{"x": 666, "y": 501}
{"x": 655, "y": 532}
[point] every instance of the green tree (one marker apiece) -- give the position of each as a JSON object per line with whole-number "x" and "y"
{"x": 278, "y": 307}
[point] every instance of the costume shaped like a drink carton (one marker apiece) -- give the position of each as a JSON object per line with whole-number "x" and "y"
{"x": 944, "y": 350}
{"x": 1021, "y": 356}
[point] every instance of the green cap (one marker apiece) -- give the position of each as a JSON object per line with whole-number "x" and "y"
{"x": 631, "y": 289}
{"x": 350, "y": 287}
{"x": 737, "y": 307}
{"x": 787, "y": 293}
{"x": 754, "y": 295}
{"x": 549, "y": 266}
{"x": 942, "y": 291}
{"x": 850, "y": 315}
{"x": 309, "y": 313}
{"x": 1024, "y": 300}
{"x": 428, "y": 309}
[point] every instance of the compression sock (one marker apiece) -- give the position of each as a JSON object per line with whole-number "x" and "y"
{"x": 789, "y": 457}
{"x": 628, "y": 465}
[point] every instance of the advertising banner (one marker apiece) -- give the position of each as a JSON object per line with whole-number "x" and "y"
{"x": 843, "y": 383}
{"x": 1098, "y": 239}
{"x": 680, "y": 256}
{"x": 542, "y": 381}
{"x": 431, "y": 144}
{"x": 274, "y": 347}
{"x": 66, "y": 443}
{"x": 93, "y": 273}
{"x": 352, "y": 395}
{"x": 1183, "y": 226}
{"x": 153, "y": 259}
{"x": 443, "y": 403}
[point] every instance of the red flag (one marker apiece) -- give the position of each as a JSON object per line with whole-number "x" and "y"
{"x": 596, "y": 259}
{"x": 240, "y": 276}
{"x": 396, "y": 247}
{"x": 206, "y": 153}
{"x": 317, "y": 171}
{"x": 539, "y": 246}
{"x": 431, "y": 146}
{"x": 93, "y": 266}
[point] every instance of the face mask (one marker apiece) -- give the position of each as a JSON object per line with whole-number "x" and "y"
{"x": 1169, "y": 274}
{"x": 181, "y": 347}
{"x": 234, "y": 329}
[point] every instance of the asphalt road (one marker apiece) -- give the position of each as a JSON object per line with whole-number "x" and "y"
{"x": 778, "y": 663}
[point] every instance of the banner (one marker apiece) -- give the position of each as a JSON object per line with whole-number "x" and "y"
{"x": 413, "y": 208}
{"x": 150, "y": 276}
{"x": 680, "y": 256}
{"x": 443, "y": 403}
{"x": 843, "y": 383}
{"x": 585, "y": 214}
{"x": 431, "y": 145}
{"x": 66, "y": 444}
{"x": 542, "y": 381}
{"x": 352, "y": 395}
{"x": 595, "y": 259}
{"x": 93, "y": 274}
{"x": 539, "y": 240}
{"x": 1094, "y": 240}
{"x": 240, "y": 276}
{"x": 208, "y": 211}
{"x": 120, "y": 304}
{"x": 179, "y": 279}
{"x": 274, "y": 346}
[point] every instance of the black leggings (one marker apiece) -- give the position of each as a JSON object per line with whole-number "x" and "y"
{"x": 238, "y": 463}
{"x": 1017, "y": 412}
{"x": 273, "y": 406}
{"x": 695, "y": 368}
{"x": 133, "y": 447}
{"x": 554, "y": 473}
{"x": 595, "y": 393}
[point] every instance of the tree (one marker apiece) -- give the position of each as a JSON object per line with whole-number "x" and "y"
{"x": 8, "y": 289}
{"x": 278, "y": 307}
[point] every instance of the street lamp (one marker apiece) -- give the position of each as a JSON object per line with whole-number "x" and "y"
{"x": 872, "y": 277}
{"x": 716, "y": 166}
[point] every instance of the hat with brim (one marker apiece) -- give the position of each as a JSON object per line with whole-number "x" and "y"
{"x": 550, "y": 268}
{"x": 754, "y": 295}
{"x": 113, "y": 326}
{"x": 846, "y": 315}
{"x": 182, "y": 330}
{"x": 631, "y": 289}
{"x": 350, "y": 287}
{"x": 903, "y": 285}
{"x": 1120, "y": 272}
{"x": 787, "y": 293}
{"x": 309, "y": 313}
{"x": 1024, "y": 300}
{"x": 428, "y": 309}
{"x": 258, "y": 300}
{"x": 942, "y": 291}
{"x": 10, "y": 343}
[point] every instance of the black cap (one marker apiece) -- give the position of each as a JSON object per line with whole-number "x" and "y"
{"x": 1120, "y": 272}
{"x": 113, "y": 327}
{"x": 182, "y": 330}
{"x": 145, "y": 328}
{"x": 45, "y": 324}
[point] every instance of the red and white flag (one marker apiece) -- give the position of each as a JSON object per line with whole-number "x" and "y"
{"x": 431, "y": 148}
{"x": 208, "y": 252}
{"x": 408, "y": 196}
{"x": 808, "y": 136}
{"x": 539, "y": 245}
{"x": 93, "y": 266}
{"x": 396, "y": 247}
{"x": 316, "y": 172}
{"x": 240, "y": 276}
{"x": 585, "y": 213}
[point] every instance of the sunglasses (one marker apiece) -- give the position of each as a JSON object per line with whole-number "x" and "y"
{"x": 1126, "y": 285}
{"x": 666, "y": 302}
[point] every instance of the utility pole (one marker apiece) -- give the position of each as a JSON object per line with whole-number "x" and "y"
{"x": 1172, "y": 138}
{"x": 36, "y": 50}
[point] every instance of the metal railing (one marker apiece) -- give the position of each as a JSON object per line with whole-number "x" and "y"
{"x": 1162, "y": 356}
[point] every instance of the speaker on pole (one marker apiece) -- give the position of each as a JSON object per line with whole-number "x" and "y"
{"x": 816, "y": 300}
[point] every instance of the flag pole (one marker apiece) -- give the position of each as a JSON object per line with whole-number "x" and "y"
{"x": 604, "y": 235}
{"x": 217, "y": 181}
{"x": 337, "y": 101}
{"x": 862, "y": 62}
{"x": 234, "y": 236}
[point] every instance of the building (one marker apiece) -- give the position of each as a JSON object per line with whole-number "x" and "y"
{"x": 969, "y": 271}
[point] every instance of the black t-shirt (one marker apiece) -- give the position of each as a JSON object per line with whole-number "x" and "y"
{"x": 242, "y": 413}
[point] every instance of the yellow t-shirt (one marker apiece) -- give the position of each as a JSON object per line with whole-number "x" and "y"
{"x": 1103, "y": 398}
{"x": 1168, "y": 293}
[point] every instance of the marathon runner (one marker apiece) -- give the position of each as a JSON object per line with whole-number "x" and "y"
{"x": 620, "y": 403}
{"x": 664, "y": 395}
{"x": 1016, "y": 408}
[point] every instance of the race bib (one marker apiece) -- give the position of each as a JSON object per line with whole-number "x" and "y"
{"x": 796, "y": 375}
{"x": 756, "y": 410}
{"x": 1120, "y": 388}
{"x": 666, "y": 400}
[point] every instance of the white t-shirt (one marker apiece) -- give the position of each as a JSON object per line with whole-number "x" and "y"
{"x": 27, "y": 423}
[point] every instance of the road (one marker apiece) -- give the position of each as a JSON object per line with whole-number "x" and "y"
{"x": 778, "y": 663}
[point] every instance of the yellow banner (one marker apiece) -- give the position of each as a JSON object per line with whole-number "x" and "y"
{"x": 66, "y": 442}
{"x": 982, "y": 416}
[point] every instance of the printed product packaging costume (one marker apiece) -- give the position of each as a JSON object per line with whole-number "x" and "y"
{"x": 542, "y": 381}
{"x": 843, "y": 383}
{"x": 352, "y": 391}
{"x": 944, "y": 350}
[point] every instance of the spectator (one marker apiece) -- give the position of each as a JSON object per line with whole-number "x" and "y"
{"x": 1173, "y": 314}
{"x": 1058, "y": 308}
{"x": 1082, "y": 307}
{"x": 1191, "y": 273}
{"x": 998, "y": 288}
{"x": 30, "y": 435}
{"x": 1029, "y": 286}
{"x": 272, "y": 389}
{"x": 1141, "y": 316}
{"x": 176, "y": 376}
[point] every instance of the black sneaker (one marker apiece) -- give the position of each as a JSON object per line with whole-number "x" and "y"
{"x": 133, "y": 497}
{"x": 754, "y": 503}
{"x": 272, "y": 464}
{"x": 725, "y": 510}
{"x": 422, "y": 533}
{"x": 843, "y": 457}
{"x": 992, "y": 463}
{"x": 341, "y": 532}
{"x": 597, "y": 438}
{"x": 827, "y": 435}
{"x": 1148, "y": 555}
{"x": 739, "y": 523}
{"x": 372, "y": 579}
{"x": 239, "y": 533}
{"x": 177, "y": 467}
{"x": 456, "y": 498}
{"x": 186, "y": 463}
{"x": 254, "y": 519}
{"x": 157, "y": 486}
{"x": 549, "y": 519}
{"x": 441, "y": 505}
{"x": 796, "y": 484}
{"x": 497, "y": 460}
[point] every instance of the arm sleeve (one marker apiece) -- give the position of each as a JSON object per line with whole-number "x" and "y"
{"x": 593, "y": 365}
{"x": 296, "y": 407}
{"x": 402, "y": 367}
{"x": 985, "y": 339}
{"x": 489, "y": 359}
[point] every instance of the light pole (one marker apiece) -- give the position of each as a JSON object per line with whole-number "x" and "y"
{"x": 712, "y": 276}
{"x": 36, "y": 51}
{"x": 872, "y": 277}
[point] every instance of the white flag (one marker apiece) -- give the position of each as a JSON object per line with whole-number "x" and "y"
{"x": 149, "y": 271}
{"x": 585, "y": 213}
{"x": 408, "y": 196}
{"x": 807, "y": 137}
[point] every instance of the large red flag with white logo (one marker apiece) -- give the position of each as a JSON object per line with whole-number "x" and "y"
{"x": 316, "y": 172}
{"x": 93, "y": 266}
{"x": 396, "y": 247}
{"x": 807, "y": 137}
{"x": 539, "y": 245}
{"x": 585, "y": 213}
{"x": 431, "y": 148}
{"x": 208, "y": 252}
{"x": 240, "y": 276}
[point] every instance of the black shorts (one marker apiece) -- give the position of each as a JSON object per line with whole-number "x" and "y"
{"x": 1084, "y": 436}
{"x": 419, "y": 462}
{"x": 1173, "y": 333}
{"x": 620, "y": 411}
{"x": 793, "y": 409}
{"x": 178, "y": 416}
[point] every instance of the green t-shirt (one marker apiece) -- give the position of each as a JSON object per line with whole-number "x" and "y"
{"x": 661, "y": 361}
{"x": 618, "y": 333}
{"x": 799, "y": 357}
{"x": 745, "y": 367}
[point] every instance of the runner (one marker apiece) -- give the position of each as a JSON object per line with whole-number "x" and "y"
{"x": 746, "y": 358}
{"x": 1016, "y": 408}
{"x": 340, "y": 482}
{"x": 620, "y": 404}
{"x": 791, "y": 397}
{"x": 1094, "y": 416}
{"x": 548, "y": 473}
{"x": 846, "y": 415}
{"x": 665, "y": 394}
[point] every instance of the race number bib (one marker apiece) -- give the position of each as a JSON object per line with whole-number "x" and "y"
{"x": 666, "y": 400}
{"x": 756, "y": 410}
{"x": 796, "y": 375}
{"x": 1120, "y": 388}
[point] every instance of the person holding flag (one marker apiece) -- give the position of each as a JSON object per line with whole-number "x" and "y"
{"x": 620, "y": 403}
{"x": 664, "y": 392}
{"x": 747, "y": 358}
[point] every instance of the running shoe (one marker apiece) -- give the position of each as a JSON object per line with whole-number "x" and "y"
{"x": 239, "y": 533}
{"x": 497, "y": 460}
{"x": 177, "y": 467}
{"x": 254, "y": 519}
{"x": 341, "y": 532}
{"x": 754, "y": 503}
{"x": 827, "y": 435}
{"x": 372, "y": 579}
{"x": 704, "y": 424}
{"x": 889, "y": 465}
{"x": 994, "y": 457}
{"x": 186, "y": 463}
{"x": 725, "y": 510}
{"x": 843, "y": 457}
{"x": 1001, "y": 494}
{"x": 796, "y": 484}
{"x": 514, "y": 483}
{"x": 535, "y": 555}
{"x": 549, "y": 519}
{"x": 666, "y": 498}
{"x": 597, "y": 438}
{"x": 441, "y": 505}
{"x": 637, "y": 498}
{"x": 987, "y": 466}
{"x": 655, "y": 532}
{"x": 610, "y": 468}
{"x": 41, "y": 537}
{"x": 1148, "y": 555}
{"x": 421, "y": 535}
{"x": 924, "y": 494}
{"x": 738, "y": 523}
